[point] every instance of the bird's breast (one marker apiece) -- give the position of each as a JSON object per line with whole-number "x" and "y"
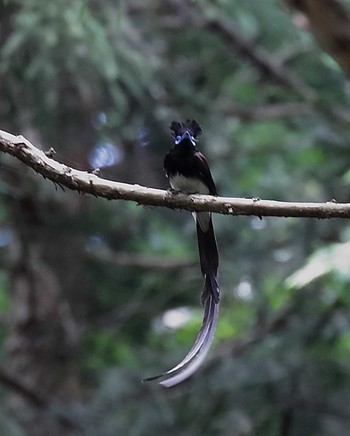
{"x": 188, "y": 184}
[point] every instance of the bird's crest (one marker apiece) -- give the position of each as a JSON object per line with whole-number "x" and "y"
{"x": 190, "y": 126}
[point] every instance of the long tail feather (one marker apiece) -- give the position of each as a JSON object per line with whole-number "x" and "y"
{"x": 209, "y": 260}
{"x": 208, "y": 255}
{"x": 194, "y": 358}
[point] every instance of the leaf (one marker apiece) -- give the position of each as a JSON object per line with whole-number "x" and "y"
{"x": 334, "y": 258}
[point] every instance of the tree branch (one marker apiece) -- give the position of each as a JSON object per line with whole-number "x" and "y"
{"x": 35, "y": 397}
{"x": 263, "y": 61}
{"x": 11, "y": 381}
{"x": 265, "y": 112}
{"x": 88, "y": 183}
{"x": 329, "y": 20}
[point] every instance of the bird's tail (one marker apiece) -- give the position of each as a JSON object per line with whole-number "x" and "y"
{"x": 209, "y": 260}
{"x": 194, "y": 358}
{"x": 208, "y": 255}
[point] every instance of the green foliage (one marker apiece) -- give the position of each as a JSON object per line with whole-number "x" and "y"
{"x": 75, "y": 75}
{"x": 332, "y": 259}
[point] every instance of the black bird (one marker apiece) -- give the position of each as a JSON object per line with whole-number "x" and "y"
{"x": 188, "y": 171}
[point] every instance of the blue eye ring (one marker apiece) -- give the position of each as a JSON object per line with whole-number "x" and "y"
{"x": 178, "y": 139}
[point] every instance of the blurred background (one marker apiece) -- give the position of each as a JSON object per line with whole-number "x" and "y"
{"x": 96, "y": 295}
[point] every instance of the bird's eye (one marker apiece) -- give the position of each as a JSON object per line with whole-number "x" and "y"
{"x": 178, "y": 139}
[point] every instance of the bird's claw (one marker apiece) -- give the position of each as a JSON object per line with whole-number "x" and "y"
{"x": 173, "y": 191}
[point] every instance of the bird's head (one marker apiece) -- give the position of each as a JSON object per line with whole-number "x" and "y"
{"x": 185, "y": 133}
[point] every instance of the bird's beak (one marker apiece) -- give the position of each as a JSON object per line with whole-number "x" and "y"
{"x": 185, "y": 136}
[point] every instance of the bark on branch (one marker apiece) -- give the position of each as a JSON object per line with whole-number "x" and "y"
{"x": 88, "y": 183}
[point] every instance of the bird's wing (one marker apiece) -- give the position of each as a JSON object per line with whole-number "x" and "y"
{"x": 204, "y": 172}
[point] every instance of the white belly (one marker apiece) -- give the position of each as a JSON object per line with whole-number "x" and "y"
{"x": 190, "y": 186}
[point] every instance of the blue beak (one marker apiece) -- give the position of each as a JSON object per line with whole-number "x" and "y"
{"x": 186, "y": 135}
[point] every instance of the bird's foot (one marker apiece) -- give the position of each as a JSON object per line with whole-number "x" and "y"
{"x": 173, "y": 191}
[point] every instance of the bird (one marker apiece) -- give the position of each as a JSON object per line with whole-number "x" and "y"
{"x": 188, "y": 172}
